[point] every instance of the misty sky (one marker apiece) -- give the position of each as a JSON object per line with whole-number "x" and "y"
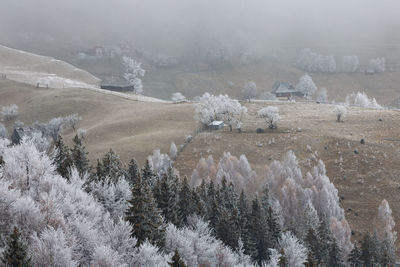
{"x": 170, "y": 25}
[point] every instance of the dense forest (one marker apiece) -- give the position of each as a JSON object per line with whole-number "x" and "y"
{"x": 58, "y": 210}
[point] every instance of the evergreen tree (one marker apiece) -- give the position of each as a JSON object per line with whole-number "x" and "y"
{"x": 274, "y": 227}
{"x": 79, "y": 156}
{"x": 168, "y": 200}
{"x": 335, "y": 255}
{"x": 99, "y": 170}
{"x": 185, "y": 202}
{"x": 148, "y": 176}
{"x": 144, "y": 216}
{"x": 369, "y": 251}
{"x": 283, "y": 261}
{"x": 311, "y": 261}
{"x": 243, "y": 221}
{"x": 111, "y": 167}
{"x": 62, "y": 158}
{"x": 325, "y": 240}
{"x": 258, "y": 233}
{"x": 133, "y": 172}
{"x": 313, "y": 243}
{"x": 176, "y": 260}
{"x": 226, "y": 228}
{"x": 199, "y": 205}
{"x": 354, "y": 257}
{"x": 15, "y": 253}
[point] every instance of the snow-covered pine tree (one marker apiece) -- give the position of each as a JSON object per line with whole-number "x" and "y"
{"x": 79, "y": 156}
{"x": 15, "y": 253}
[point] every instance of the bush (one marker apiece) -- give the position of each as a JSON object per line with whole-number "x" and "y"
{"x": 10, "y": 112}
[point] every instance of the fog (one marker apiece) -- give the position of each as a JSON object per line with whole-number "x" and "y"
{"x": 177, "y": 27}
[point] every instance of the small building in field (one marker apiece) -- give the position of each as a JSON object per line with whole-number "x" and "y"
{"x": 115, "y": 83}
{"x": 216, "y": 125}
{"x": 285, "y": 89}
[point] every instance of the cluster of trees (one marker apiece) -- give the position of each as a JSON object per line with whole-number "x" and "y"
{"x": 249, "y": 90}
{"x": 377, "y": 65}
{"x": 310, "y": 61}
{"x": 59, "y": 211}
{"x": 213, "y": 108}
{"x": 350, "y": 63}
{"x": 361, "y": 99}
{"x": 133, "y": 73}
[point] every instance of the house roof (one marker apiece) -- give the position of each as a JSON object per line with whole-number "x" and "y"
{"x": 216, "y": 123}
{"x": 283, "y": 87}
{"x": 114, "y": 81}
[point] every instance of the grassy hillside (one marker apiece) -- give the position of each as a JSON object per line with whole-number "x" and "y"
{"x": 131, "y": 128}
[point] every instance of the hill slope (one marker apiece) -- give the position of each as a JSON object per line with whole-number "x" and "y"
{"x": 45, "y": 71}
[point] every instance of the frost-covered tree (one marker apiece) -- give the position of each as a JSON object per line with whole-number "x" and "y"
{"x": 113, "y": 195}
{"x": 294, "y": 251}
{"x": 308, "y": 60}
{"x": 133, "y": 73}
{"x": 322, "y": 95}
{"x": 293, "y": 191}
{"x": 72, "y": 120}
{"x": 159, "y": 163}
{"x": 178, "y": 97}
{"x": 340, "y": 111}
{"x": 3, "y": 131}
{"x": 82, "y": 133}
{"x": 51, "y": 248}
{"x": 268, "y": 96}
{"x": 173, "y": 151}
{"x": 249, "y": 90}
{"x": 271, "y": 116}
{"x": 150, "y": 256}
{"x": 198, "y": 247}
{"x": 361, "y": 99}
{"x": 10, "y": 112}
{"x": 308, "y": 221}
{"x": 350, "y": 63}
{"x": 211, "y": 108}
{"x": 306, "y": 86}
{"x": 384, "y": 226}
{"x": 377, "y": 65}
